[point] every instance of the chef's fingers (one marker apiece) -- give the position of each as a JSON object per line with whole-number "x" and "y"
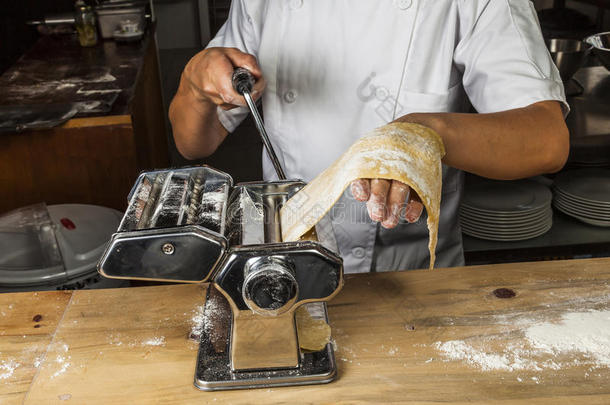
{"x": 245, "y": 60}
{"x": 209, "y": 76}
{"x": 414, "y": 208}
{"x": 257, "y": 89}
{"x": 376, "y": 205}
{"x": 361, "y": 189}
{"x": 397, "y": 196}
{"x": 224, "y": 84}
{"x": 249, "y": 62}
{"x": 257, "y": 92}
{"x": 227, "y": 107}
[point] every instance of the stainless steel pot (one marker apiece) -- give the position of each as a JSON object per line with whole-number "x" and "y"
{"x": 568, "y": 55}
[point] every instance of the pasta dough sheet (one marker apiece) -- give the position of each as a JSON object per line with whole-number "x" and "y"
{"x": 409, "y": 153}
{"x": 314, "y": 334}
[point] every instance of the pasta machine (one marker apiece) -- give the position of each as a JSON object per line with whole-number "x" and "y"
{"x": 193, "y": 225}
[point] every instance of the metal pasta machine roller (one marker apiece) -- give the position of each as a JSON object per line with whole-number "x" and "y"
{"x": 193, "y": 225}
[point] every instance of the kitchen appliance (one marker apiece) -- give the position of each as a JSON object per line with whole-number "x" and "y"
{"x": 568, "y": 55}
{"x": 111, "y": 15}
{"x": 55, "y": 247}
{"x": 601, "y": 46}
{"x": 193, "y": 225}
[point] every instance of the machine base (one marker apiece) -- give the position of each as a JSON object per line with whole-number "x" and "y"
{"x": 213, "y": 371}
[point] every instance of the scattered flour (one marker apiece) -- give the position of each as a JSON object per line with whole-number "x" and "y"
{"x": 197, "y": 322}
{"x": 203, "y": 318}
{"x": 156, "y": 341}
{"x": 100, "y": 91}
{"x": 460, "y": 350}
{"x": 7, "y": 368}
{"x": 579, "y": 338}
{"x": 107, "y": 77}
{"x": 578, "y": 332}
{"x": 62, "y": 86}
{"x": 64, "y": 364}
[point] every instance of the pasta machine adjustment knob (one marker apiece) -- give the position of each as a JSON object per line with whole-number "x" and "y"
{"x": 269, "y": 287}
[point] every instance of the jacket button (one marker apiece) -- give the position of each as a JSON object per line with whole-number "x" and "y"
{"x": 359, "y": 252}
{"x": 295, "y": 4}
{"x": 404, "y": 4}
{"x": 290, "y": 96}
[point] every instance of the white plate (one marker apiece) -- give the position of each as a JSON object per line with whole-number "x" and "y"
{"x": 507, "y": 233}
{"x": 580, "y": 212}
{"x": 579, "y": 207}
{"x": 487, "y": 228}
{"x": 486, "y": 222}
{"x": 507, "y": 238}
{"x": 586, "y": 220}
{"x": 504, "y": 217}
{"x": 581, "y": 199}
{"x": 506, "y": 221}
{"x": 592, "y": 185}
{"x": 507, "y": 227}
{"x": 505, "y": 196}
{"x": 581, "y": 202}
{"x": 127, "y": 36}
{"x": 505, "y": 214}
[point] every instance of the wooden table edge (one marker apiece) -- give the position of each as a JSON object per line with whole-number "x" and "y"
{"x": 97, "y": 121}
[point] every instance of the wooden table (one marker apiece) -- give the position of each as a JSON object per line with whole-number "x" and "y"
{"x": 130, "y": 346}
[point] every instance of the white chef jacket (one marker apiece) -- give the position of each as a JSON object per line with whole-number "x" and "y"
{"x": 338, "y": 69}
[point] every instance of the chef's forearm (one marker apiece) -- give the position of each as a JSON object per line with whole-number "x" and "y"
{"x": 195, "y": 124}
{"x": 506, "y": 145}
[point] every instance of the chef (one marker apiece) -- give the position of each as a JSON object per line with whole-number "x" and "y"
{"x": 330, "y": 71}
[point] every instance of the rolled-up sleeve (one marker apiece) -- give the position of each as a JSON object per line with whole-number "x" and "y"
{"x": 504, "y": 59}
{"x": 237, "y": 32}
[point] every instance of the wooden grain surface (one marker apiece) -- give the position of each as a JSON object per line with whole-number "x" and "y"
{"x": 28, "y": 322}
{"x": 131, "y": 346}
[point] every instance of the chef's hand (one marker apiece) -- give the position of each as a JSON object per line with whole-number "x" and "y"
{"x": 208, "y": 74}
{"x": 387, "y": 200}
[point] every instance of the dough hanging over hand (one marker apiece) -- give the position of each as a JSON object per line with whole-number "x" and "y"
{"x": 410, "y": 153}
{"x": 314, "y": 334}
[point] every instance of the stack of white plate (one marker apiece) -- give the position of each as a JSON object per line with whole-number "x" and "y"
{"x": 505, "y": 210}
{"x": 585, "y": 195}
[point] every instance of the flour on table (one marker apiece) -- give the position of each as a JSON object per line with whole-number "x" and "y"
{"x": 197, "y": 322}
{"x": 64, "y": 363}
{"x": 578, "y": 338}
{"x": 156, "y": 341}
{"x": 7, "y": 368}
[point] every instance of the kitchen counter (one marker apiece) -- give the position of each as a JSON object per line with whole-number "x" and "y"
{"x": 58, "y": 70}
{"x": 418, "y": 336}
{"x": 95, "y": 157}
